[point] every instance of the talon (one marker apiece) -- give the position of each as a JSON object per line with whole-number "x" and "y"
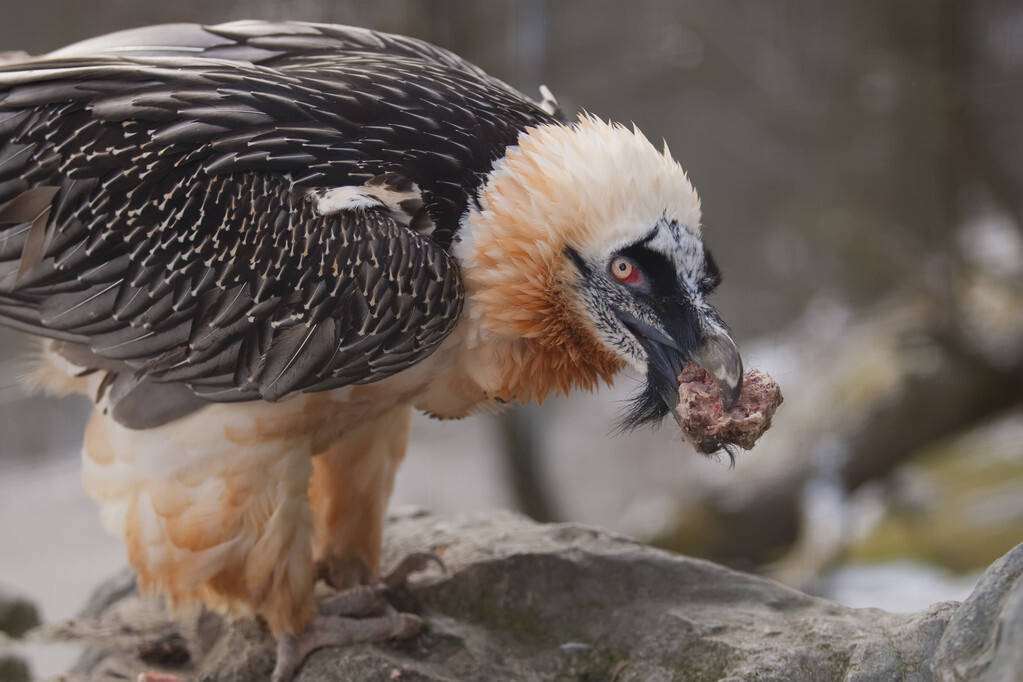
{"x": 292, "y": 650}
{"x": 412, "y": 563}
{"x": 362, "y": 600}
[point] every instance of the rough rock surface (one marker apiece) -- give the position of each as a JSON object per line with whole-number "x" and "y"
{"x": 523, "y": 601}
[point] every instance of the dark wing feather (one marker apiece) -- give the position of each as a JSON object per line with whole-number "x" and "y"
{"x": 247, "y": 293}
{"x": 150, "y": 209}
{"x": 330, "y": 105}
{"x": 270, "y": 43}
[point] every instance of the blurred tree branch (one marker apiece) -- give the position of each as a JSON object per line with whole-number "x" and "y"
{"x": 916, "y": 367}
{"x": 520, "y": 446}
{"x": 898, "y": 380}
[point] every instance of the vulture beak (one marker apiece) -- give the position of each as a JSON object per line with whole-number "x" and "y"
{"x": 720, "y": 357}
{"x": 702, "y": 338}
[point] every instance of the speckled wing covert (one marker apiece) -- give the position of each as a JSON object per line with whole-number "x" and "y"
{"x": 155, "y": 213}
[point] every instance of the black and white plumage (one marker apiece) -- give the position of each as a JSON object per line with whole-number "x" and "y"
{"x": 157, "y": 202}
{"x": 204, "y": 220}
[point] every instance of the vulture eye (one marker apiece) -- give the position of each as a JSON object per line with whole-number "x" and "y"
{"x": 625, "y": 271}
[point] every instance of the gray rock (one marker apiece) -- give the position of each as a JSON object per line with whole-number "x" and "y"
{"x": 523, "y": 601}
{"x": 984, "y": 639}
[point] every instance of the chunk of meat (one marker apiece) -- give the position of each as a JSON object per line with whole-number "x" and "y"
{"x": 708, "y": 426}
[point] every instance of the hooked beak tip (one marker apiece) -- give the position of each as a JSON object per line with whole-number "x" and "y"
{"x": 720, "y": 357}
{"x": 730, "y": 393}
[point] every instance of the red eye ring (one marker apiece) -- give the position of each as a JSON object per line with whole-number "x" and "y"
{"x": 625, "y": 271}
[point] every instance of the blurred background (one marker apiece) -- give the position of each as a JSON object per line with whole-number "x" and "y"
{"x": 861, "y": 169}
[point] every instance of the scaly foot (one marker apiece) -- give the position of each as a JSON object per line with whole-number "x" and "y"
{"x": 354, "y": 615}
{"x": 327, "y": 630}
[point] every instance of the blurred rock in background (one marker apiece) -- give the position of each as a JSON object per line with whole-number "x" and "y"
{"x": 861, "y": 170}
{"x": 17, "y": 616}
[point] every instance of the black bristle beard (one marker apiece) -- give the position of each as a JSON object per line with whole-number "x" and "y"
{"x": 646, "y": 407}
{"x": 660, "y": 394}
